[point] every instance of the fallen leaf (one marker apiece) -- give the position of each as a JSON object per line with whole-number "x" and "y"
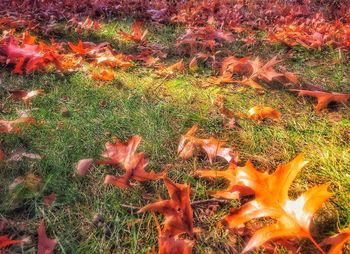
{"x": 293, "y": 217}
{"x": 213, "y": 147}
{"x": 5, "y": 241}
{"x": 50, "y": 199}
{"x": 79, "y": 48}
{"x": 259, "y": 113}
{"x": 323, "y": 98}
{"x": 45, "y": 245}
{"x": 178, "y": 219}
{"x": 133, "y": 163}
{"x": 19, "y": 153}
{"x": 24, "y": 95}
{"x": 337, "y": 241}
{"x": 83, "y": 166}
{"x": 136, "y": 35}
{"x": 177, "y": 67}
{"x": 8, "y": 126}
{"x": 105, "y": 75}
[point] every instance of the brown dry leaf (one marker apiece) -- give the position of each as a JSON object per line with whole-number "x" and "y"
{"x": 259, "y": 113}
{"x": 2, "y": 154}
{"x": 252, "y": 71}
{"x": 324, "y": 98}
{"x": 221, "y": 80}
{"x": 212, "y": 147}
{"x": 177, "y": 67}
{"x": 133, "y": 163}
{"x": 24, "y": 95}
{"x": 8, "y": 126}
{"x": 227, "y": 114}
{"x": 251, "y": 83}
{"x": 337, "y": 241}
{"x": 178, "y": 219}
{"x": 193, "y": 66}
{"x": 30, "y": 181}
{"x": 50, "y": 199}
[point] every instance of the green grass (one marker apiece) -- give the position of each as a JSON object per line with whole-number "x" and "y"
{"x": 159, "y": 110}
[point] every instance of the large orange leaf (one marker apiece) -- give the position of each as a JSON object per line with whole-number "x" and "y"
{"x": 293, "y": 217}
{"x": 212, "y": 147}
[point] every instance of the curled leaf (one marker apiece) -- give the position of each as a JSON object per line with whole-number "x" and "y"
{"x": 83, "y": 166}
{"x": 259, "y": 113}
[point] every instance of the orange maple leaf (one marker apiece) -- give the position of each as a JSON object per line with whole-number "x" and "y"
{"x": 293, "y": 217}
{"x": 136, "y": 35}
{"x": 324, "y": 98}
{"x": 105, "y": 75}
{"x": 79, "y": 48}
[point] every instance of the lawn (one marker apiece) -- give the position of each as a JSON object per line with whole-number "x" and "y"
{"x": 77, "y": 115}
